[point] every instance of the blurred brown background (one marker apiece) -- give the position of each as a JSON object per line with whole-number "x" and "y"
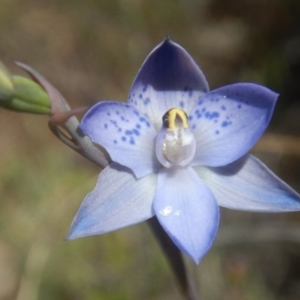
{"x": 92, "y": 50}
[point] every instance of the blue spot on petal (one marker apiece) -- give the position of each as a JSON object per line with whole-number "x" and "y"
{"x": 198, "y": 114}
{"x": 128, "y": 132}
{"x": 146, "y": 101}
{"x": 114, "y": 123}
{"x": 217, "y": 131}
{"x": 123, "y": 138}
{"x": 143, "y": 120}
{"x": 214, "y": 115}
{"x": 226, "y": 123}
{"x": 136, "y": 132}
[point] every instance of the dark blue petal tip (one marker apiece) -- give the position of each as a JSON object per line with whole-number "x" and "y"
{"x": 170, "y": 67}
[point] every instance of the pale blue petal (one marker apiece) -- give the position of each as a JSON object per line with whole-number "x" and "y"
{"x": 168, "y": 78}
{"x": 125, "y": 133}
{"x": 119, "y": 200}
{"x": 248, "y": 184}
{"x": 227, "y": 122}
{"x": 187, "y": 210}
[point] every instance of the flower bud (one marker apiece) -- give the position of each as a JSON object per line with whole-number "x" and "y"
{"x": 28, "y": 96}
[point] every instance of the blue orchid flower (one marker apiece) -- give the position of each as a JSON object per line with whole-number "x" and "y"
{"x": 179, "y": 151}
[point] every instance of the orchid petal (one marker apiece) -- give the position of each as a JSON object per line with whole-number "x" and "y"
{"x": 119, "y": 200}
{"x": 227, "y": 122}
{"x": 187, "y": 210}
{"x": 168, "y": 78}
{"x": 125, "y": 133}
{"x": 247, "y": 184}
{"x": 170, "y": 68}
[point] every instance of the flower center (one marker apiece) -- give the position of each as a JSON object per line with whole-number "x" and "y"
{"x": 175, "y": 143}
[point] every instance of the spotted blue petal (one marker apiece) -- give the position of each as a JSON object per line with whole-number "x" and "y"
{"x": 187, "y": 210}
{"x": 125, "y": 133}
{"x": 247, "y": 184}
{"x": 119, "y": 200}
{"x": 227, "y": 122}
{"x": 168, "y": 78}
